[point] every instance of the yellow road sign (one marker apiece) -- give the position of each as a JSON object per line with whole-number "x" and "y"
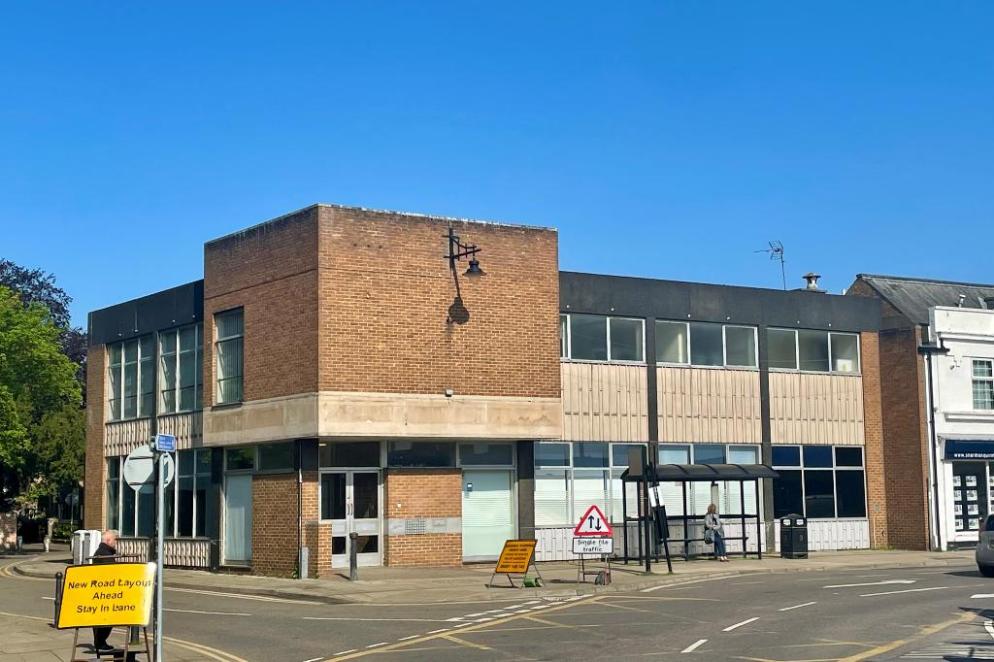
{"x": 515, "y": 557}
{"x": 111, "y": 594}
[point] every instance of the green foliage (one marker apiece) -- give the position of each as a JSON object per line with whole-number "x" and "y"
{"x": 41, "y": 423}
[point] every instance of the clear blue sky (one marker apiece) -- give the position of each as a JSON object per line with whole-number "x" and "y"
{"x": 664, "y": 139}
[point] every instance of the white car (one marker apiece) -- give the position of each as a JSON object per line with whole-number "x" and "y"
{"x": 985, "y": 548}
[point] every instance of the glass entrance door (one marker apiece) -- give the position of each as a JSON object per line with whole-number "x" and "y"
{"x": 351, "y": 500}
{"x": 487, "y": 513}
{"x": 238, "y": 519}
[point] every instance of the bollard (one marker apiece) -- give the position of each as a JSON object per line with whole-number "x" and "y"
{"x": 58, "y": 599}
{"x": 353, "y": 556}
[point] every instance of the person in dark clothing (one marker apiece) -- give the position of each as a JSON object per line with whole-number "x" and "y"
{"x": 107, "y": 548}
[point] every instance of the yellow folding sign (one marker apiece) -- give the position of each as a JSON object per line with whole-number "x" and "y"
{"x": 111, "y": 594}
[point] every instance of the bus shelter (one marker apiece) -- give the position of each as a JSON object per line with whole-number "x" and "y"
{"x": 652, "y": 509}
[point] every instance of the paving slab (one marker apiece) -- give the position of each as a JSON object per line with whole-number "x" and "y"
{"x": 471, "y": 583}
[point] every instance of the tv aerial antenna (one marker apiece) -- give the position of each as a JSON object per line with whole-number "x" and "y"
{"x": 775, "y": 251}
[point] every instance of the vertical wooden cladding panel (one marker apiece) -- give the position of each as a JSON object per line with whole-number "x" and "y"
{"x": 816, "y": 409}
{"x": 704, "y": 404}
{"x": 604, "y": 402}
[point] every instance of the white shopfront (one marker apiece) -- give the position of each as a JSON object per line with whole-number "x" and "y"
{"x": 962, "y": 461}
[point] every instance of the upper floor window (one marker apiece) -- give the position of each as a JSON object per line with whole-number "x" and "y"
{"x": 705, "y": 344}
{"x": 229, "y": 348}
{"x": 180, "y": 369}
{"x": 130, "y": 380}
{"x": 814, "y": 351}
{"x": 983, "y": 384}
{"x": 602, "y": 338}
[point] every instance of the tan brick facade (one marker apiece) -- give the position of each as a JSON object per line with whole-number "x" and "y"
{"x": 385, "y": 295}
{"x": 423, "y": 493}
{"x": 271, "y": 272}
{"x": 274, "y": 524}
{"x": 95, "y": 469}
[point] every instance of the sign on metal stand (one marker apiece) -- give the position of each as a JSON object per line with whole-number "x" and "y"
{"x": 593, "y": 536}
{"x": 515, "y": 559}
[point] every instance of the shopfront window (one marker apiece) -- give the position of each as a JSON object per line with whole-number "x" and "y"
{"x": 969, "y": 495}
{"x": 819, "y": 482}
{"x": 569, "y": 478}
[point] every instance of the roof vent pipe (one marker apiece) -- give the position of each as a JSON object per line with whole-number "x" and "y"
{"x": 962, "y": 299}
{"x": 811, "y": 278}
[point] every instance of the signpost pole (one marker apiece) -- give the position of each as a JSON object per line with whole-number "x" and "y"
{"x": 160, "y": 509}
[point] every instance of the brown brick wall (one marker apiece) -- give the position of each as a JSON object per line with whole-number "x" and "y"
{"x": 876, "y": 493}
{"x": 904, "y": 449}
{"x": 274, "y": 524}
{"x": 415, "y": 493}
{"x": 386, "y": 290}
{"x": 270, "y": 271}
{"x": 95, "y": 468}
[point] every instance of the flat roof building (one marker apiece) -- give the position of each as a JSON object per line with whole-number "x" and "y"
{"x": 335, "y": 372}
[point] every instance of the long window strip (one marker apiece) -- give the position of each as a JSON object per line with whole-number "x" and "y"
{"x": 638, "y": 348}
{"x": 687, "y": 353}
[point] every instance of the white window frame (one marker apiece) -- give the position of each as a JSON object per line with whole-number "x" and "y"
{"x": 139, "y": 410}
{"x": 724, "y": 346}
{"x": 974, "y": 379}
{"x": 831, "y": 358}
{"x": 198, "y": 352}
{"x": 607, "y": 337}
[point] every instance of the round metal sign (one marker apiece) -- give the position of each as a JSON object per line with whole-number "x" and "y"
{"x": 139, "y": 468}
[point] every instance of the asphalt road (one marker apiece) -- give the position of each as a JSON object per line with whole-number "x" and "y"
{"x": 887, "y": 614}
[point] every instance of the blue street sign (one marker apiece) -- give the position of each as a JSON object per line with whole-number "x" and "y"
{"x": 165, "y": 443}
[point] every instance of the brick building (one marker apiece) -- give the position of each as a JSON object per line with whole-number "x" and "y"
{"x": 334, "y": 373}
{"x": 916, "y": 474}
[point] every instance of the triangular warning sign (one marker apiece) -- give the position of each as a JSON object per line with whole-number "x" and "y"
{"x": 593, "y": 523}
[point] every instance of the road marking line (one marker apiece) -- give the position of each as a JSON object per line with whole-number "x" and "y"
{"x": 314, "y": 659}
{"x": 981, "y": 595}
{"x": 351, "y": 650}
{"x": 470, "y": 644}
{"x": 413, "y": 636}
{"x": 989, "y": 626}
{"x": 805, "y": 604}
{"x": 439, "y": 630}
{"x": 923, "y": 632}
{"x": 382, "y": 643}
{"x": 473, "y": 627}
{"x": 907, "y": 590}
{"x": 206, "y": 613}
{"x": 694, "y": 646}
{"x": 883, "y": 583}
{"x": 359, "y": 618}
{"x": 738, "y": 625}
{"x": 243, "y": 596}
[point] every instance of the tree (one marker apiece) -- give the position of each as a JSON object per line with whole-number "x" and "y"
{"x": 38, "y": 393}
{"x": 37, "y": 286}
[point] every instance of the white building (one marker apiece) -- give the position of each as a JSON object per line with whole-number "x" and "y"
{"x": 962, "y": 385}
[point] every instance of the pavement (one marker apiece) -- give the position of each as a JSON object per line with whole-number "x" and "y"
{"x": 25, "y": 638}
{"x": 470, "y": 583}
